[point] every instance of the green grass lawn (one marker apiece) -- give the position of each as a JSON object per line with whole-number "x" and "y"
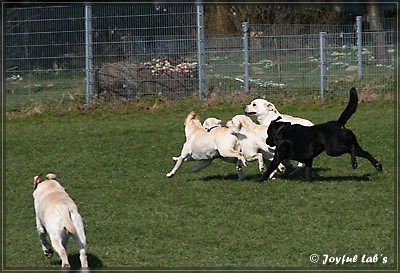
{"x": 113, "y": 163}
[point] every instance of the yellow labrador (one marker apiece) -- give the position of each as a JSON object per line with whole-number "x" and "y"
{"x": 265, "y": 112}
{"x": 252, "y": 138}
{"x": 205, "y": 146}
{"x": 58, "y": 217}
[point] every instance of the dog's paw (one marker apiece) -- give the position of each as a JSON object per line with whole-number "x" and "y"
{"x": 48, "y": 253}
{"x": 379, "y": 167}
{"x": 354, "y": 165}
{"x": 282, "y": 168}
{"x": 169, "y": 175}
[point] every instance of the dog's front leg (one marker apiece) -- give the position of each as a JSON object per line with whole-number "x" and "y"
{"x": 46, "y": 247}
{"x": 185, "y": 153}
{"x": 178, "y": 163}
{"x": 270, "y": 171}
{"x": 281, "y": 167}
{"x": 308, "y": 170}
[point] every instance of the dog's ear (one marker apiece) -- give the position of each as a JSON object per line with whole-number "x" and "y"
{"x": 189, "y": 117}
{"x": 270, "y": 107}
{"x": 206, "y": 124}
{"x": 277, "y": 119}
{"x": 37, "y": 181}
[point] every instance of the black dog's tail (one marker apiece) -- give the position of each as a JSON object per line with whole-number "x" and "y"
{"x": 351, "y": 107}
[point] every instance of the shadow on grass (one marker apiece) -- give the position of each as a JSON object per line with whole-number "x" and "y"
{"x": 297, "y": 176}
{"x": 93, "y": 261}
{"x": 233, "y": 177}
{"x": 317, "y": 177}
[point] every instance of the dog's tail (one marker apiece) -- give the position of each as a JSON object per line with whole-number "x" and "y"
{"x": 66, "y": 216}
{"x": 78, "y": 224}
{"x": 350, "y": 109}
{"x": 51, "y": 176}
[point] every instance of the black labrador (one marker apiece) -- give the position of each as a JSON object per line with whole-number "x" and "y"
{"x": 303, "y": 143}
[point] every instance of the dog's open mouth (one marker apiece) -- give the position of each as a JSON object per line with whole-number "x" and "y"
{"x": 250, "y": 113}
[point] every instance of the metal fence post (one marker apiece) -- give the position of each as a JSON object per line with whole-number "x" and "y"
{"x": 323, "y": 64}
{"x": 88, "y": 54}
{"x": 201, "y": 50}
{"x": 245, "y": 30}
{"x": 359, "y": 46}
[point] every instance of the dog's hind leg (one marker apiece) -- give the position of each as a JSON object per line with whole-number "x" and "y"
{"x": 80, "y": 237}
{"x": 81, "y": 244}
{"x": 353, "y": 157}
{"x": 358, "y": 151}
{"x": 260, "y": 158}
{"x": 234, "y": 153}
{"x": 58, "y": 246}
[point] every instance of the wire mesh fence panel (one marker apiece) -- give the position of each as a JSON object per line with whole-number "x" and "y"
{"x": 137, "y": 51}
{"x": 290, "y": 61}
{"x": 377, "y": 62}
{"x": 284, "y": 62}
{"x": 258, "y": 30}
{"x": 378, "y": 56}
{"x": 224, "y": 63}
{"x": 145, "y": 51}
{"x": 44, "y": 56}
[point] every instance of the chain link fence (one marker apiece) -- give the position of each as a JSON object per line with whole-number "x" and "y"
{"x": 310, "y": 58}
{"x": 145, "y": 50}
{"x": 125, "y": 52}
{"x": 132, "y": 51}
{"x": 44, "y": 54}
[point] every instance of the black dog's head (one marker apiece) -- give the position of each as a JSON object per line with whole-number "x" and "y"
{"x": 274, "y": 131}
